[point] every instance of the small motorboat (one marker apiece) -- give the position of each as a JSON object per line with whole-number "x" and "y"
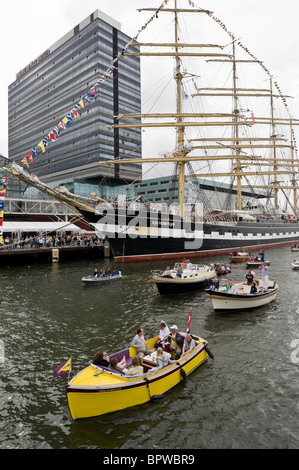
{"x": 98, "y": 390}
{"x": 254, "y": 263}
{"x": 94, "y": 280}
{"x": 295, "y": 248}
{"x": 193, "y": 278}
{"x": 239, "y": 257}
{"x": 295, "y": 264}
{"x": 221, "y": 268}
{"x": 225, "y": 302}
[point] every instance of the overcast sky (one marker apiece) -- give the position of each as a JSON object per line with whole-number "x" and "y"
{"x": 269, "y": 28}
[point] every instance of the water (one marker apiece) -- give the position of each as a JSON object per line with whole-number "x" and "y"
{"x": 246, "y": 398}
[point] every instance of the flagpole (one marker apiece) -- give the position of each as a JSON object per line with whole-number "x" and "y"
{"x": 68, "y": 377}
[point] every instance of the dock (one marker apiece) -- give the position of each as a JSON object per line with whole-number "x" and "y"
{"x": 19, "y": 256}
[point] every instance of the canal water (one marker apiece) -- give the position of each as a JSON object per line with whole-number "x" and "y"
{"x": 246, "y": 398}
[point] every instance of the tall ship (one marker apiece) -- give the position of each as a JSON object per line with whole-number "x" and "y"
{"x": 233, "y": 132}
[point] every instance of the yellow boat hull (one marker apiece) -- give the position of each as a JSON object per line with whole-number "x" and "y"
{"x": 94, "y": 392}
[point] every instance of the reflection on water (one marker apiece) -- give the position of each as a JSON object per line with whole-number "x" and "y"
{"x": 245, "y": 398}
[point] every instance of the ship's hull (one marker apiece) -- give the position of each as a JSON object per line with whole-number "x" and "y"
{"x": 146, "y": 241}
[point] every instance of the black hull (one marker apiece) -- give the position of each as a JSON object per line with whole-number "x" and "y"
{"x": 217, "y": 238}
{"x": 181, "y": 288}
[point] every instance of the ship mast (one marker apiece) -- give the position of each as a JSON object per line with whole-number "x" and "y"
{"x": 180, "y": 129}
{"x": 236, "y": 131}
{"x": 180, "y": 154}
{"x": 276, "y": 205}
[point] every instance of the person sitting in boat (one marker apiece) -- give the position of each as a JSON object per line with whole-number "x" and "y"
{"x": 188, "y": 346}
{"x": 108, "y": 272}
{"x": 139, "y": 343}
{"x": 184, "y": 263}
{"x": 254, "y": 289}
{"x": 163, "y": 334}
{"x": 101, "y": 359}
{"x": 136, "y": 369}
{"x": 249, "y": 278}
{"x": 214, "y": 284}
{"x": 230, "y": 287}
{"x": 118, "y": 366}
{"x": 176, "y": 341}
{"x": 96, "y": 273}
{"x": 102, "y": 272}
{"x": 223, "y": 269}
{"x": 167, "y": 272}
{"x": 179, "y": 271}
{"x": 116, "y": 272}
{"x": 163, "y": 359}
{"x": 189, "y": 264}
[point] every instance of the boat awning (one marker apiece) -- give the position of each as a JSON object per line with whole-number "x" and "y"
{"x": 39, "y": 227}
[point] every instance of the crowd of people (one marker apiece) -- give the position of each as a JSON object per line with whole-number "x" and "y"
{"x": 50, "y": 241}
{"x": 249, "y": 281}
{"x": 105, "y": 272}
{"x": 170, "y": 346}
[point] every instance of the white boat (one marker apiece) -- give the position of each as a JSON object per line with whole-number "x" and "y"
{"x": 295, "y": 248}
{"x": 92, "y": 280}
{"x": 224, "y": 302}
{"x": 295, "y": 264}
{"x": 194, "y": 278}
{"x": 252, "y": 264}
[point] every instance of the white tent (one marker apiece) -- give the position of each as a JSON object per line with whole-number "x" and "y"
{"x": 15, "y": 227}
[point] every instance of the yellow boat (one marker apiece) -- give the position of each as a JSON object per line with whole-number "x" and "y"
{"x": 97, "y": 390}
{"x": 239, "y": 257}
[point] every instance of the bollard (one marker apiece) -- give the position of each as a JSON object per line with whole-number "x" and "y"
{"x": 106, "y": 250}
{"x": 55, "y": 255}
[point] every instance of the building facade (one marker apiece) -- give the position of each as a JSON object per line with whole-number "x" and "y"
{"x": 212, "y": 194}
{"x": 46, "y": 89}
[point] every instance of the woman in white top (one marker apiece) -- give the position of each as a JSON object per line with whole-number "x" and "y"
{"x": 232, "y": 289}
{"x": 163, "y": 333}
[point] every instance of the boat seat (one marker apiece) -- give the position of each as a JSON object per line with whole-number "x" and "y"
{"x": 120, "y": 354}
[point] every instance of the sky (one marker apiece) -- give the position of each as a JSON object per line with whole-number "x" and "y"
{"x": 268, "y": 28}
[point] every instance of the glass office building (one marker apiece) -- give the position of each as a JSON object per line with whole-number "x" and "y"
{"x": 51, "y": 85}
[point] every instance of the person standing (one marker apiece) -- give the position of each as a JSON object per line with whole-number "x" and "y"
{"x": 265, "y": 273}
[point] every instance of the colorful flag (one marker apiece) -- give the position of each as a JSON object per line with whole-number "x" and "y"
{"x": 86, "y": 98}
{"x": 62, "y": 125}
{"x": 82, "y": 104}
{"x": 189, "y": 322}
{"x": 2, "y": 196}
{"x": 74, "y": 112}
{"x": 52, "y": 135}
{"x": 41, "y": 145}
{"x": 67, "y": 121}
{"x": 24, "y": 160}
{"x": 56, "y": 130}
{"x": 29, "y": 156}
{"x": 64, "y": 367}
